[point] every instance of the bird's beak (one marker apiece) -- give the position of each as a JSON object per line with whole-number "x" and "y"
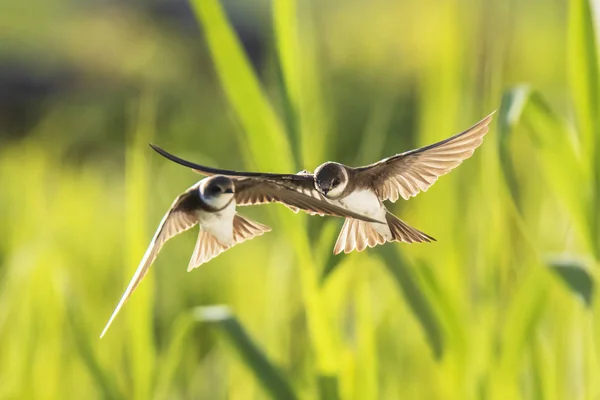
{"x": 325, "y": 191}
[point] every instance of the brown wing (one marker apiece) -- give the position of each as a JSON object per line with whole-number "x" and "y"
{"x": 180, "y": 217}
{"x": 405, "y": 175}
{"x": 303, "y": 181}
{"x": 251, "y": 191}
{"x": 303, "y": 178}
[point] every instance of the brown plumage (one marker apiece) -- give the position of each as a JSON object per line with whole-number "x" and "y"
{"x": 211, "y": 203}
{"x": 364, "y": 189}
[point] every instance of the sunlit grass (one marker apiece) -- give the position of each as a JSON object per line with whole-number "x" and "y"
{"x": 502, "y": 306}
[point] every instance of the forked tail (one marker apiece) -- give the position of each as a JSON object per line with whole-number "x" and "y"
{"x": 402, "y": 232}
{"x": 208, "y": 247}
{"x": 358, "y": 235}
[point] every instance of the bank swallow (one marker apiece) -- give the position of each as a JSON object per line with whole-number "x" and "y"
{"x": 364, "y": 189}
{"x": 211, "y": 203}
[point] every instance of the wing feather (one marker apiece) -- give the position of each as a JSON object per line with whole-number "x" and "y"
{"x": 251, "y": 191}
{"x": 179, "y": 218}
{"x": 302, "y": 182}
{"x": 303, "y": 178}
{"x": 406, "y": 175}
{"x": 208, "y": 247}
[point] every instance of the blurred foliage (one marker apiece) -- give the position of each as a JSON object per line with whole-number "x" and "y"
{"x": 502, "y": 306}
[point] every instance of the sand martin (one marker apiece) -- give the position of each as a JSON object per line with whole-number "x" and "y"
{"x": 364, "y": 189}
{"x": 211, "y": 203}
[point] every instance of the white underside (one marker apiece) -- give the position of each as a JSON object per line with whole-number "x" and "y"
{"x": 367, "y": 203}
{"x": 219, "y": 224}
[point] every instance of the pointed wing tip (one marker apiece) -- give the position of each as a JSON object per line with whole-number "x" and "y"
{"x": 489, "y": 118}
{"x": 484, "y": 123}
{"x": 111, "y": 319}
{"x": 350, "y": 214}
{"x": 116, "y": 311}
{"x": 156, "y": 148}
{"x": 105, "y": 328}
{"x": 165, "y": 153}
{"x": 168, "y": 155}
{"x": 159, "y": 150}
{"x": 481, "y": 128}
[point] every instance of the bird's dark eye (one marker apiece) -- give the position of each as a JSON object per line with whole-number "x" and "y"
{"x": 336, "y": 182}
{"x": 216, "y": 189}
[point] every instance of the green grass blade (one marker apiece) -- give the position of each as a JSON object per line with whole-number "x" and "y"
{"x": 576, "y": 276}
{"x": 419, "y": 303}
{"x": 286, "y": 36}
{"x": 290, "y": 116}
{"x": 585, "y": 93}
{"x": 366, "y": 341}
{"x": 583, "y": 74}
{"x": 104, "y": 382}
{"x": 253, "y": 357}
{"x": 511, "y": 108}
{"x": 171, "y": 362}
{"x": 264, "y": 131}
{"x": 542, "y": 369}
{"x": 556, "y": 153}
{"x": 523, "y": 315}
{"x": 301, "y": 78}
{"x": 328, "y": 387}
{"x": 140, "y": 307}
{"x": 269, "y": 151}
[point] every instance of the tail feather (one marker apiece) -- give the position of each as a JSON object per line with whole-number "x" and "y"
{"x": 246, "y": 229}
{"x": 208, "y": 247}
{"x": 402, "y": 232}
{"x": 358, "y": 235}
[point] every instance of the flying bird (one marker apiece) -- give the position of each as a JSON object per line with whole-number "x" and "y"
{"x": 211, "y": 203}
{"x": 364, "y": 189}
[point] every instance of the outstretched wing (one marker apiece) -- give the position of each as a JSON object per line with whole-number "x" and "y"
{"x": 251, "y": 191}
{"x": 180, "y": 217}
{"x": 405, "y": 175}
{"x": 302, "y": 182}
{"x": 300, "y": 179}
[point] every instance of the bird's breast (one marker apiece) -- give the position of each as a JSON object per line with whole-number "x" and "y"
{"x": 363, "y": 202}
{"x": 219, "y": 223}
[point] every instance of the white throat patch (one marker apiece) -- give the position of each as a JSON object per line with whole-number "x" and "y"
{"x": 217, "y": 201}
{"x": 338, "y": 190}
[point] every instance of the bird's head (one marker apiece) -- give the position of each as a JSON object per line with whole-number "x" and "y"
{"x": 217, "y": 191}
{"x": 331, "y": 179}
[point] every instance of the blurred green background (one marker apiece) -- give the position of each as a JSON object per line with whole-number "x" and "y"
{"x": 501, "y": 307}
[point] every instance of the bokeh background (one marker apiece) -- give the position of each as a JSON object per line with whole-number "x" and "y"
{"x": 501, "y": 307}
